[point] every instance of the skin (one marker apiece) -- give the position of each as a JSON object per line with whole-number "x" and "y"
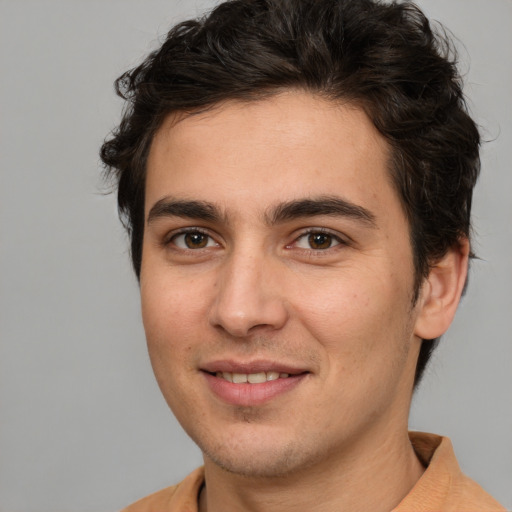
{"x": 251, "y": 285}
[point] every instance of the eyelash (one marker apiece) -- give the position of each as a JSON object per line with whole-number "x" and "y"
{"x": 171, "y": 238}
{"x": 339, "y": 241}
{"x": 335, "y": 240}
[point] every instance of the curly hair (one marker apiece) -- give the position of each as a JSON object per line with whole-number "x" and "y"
{"x": 385, "y": 58}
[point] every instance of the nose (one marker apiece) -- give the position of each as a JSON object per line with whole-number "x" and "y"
{"x": 249, "y": 297}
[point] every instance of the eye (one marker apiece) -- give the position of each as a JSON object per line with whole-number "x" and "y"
{"x": 317, "y": 240}
{"x": 193, "y": 240}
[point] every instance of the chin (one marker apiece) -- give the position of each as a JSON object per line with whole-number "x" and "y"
{"x": 268, "y": 458}
{"x": 264, "y": 465}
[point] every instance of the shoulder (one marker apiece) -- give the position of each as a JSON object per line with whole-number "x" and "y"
{"x": 156, "y": 501}
{"x": 443, "y": 487}
{"x": 176, "y": 498}
{"x": 468, "y": 495}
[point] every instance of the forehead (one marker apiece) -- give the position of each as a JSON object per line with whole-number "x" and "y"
{"x": 251, "y": 155}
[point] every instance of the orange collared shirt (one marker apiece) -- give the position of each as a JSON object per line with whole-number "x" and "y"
{"x": 442, "y": 487}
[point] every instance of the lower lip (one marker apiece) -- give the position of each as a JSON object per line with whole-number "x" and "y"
{"x": 251, "y": 394}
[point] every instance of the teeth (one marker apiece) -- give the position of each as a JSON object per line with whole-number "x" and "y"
{"x": 252, "y": 378}
{"x": 239, "y": 378}
{"x": 225, "y": 375}
{"x": 257, "y": 378}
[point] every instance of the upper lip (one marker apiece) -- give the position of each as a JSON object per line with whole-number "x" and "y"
{"x": 248, "y": 367}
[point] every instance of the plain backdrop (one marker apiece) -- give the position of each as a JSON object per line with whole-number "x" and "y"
{"x": 83, "y": 427}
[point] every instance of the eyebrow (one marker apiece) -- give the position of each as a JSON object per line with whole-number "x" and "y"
{"x": 325, "y": 205}
{"x": 198, "y": 210}
{"x": 283, "y": 212}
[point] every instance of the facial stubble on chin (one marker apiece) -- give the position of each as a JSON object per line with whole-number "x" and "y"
{"x": 284, "y": 466}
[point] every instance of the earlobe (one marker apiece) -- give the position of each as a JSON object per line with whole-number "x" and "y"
{"x": 441, "y": 292}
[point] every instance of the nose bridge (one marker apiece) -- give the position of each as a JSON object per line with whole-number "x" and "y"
{"x": 246, "y": 294}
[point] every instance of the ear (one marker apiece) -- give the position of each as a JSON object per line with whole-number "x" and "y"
{"x": 441, "y": 292}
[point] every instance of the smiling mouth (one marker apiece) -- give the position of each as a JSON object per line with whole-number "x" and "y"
{"x": 251, "y": 378}
{"x": 251, "y": 384}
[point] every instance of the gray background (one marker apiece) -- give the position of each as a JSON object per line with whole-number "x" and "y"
{"x": 83, "y": 427}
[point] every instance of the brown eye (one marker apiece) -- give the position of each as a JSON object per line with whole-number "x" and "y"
{"x": 317, "y": 241}
{"x": 193, "y": 240}
{"x": 320, "y": 240}
{"x": 196, "y": 240}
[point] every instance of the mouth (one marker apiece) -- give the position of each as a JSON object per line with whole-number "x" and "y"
{"x": 251, "y": 378}
{"x": 251, "y": 384}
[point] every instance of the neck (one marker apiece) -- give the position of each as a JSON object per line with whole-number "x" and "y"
{"x": 369, "y": 476}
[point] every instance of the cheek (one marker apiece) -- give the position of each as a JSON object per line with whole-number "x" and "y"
{"x": 170, "y": 303}
{"x": 168, "y": 324}
{"x": 171, "y": 316}
{"x": 359, "y": 316}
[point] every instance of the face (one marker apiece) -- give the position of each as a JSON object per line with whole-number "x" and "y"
{"x": 277, "y": 283}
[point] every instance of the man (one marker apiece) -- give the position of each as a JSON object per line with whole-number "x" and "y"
{"x": 296, "y": 178}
